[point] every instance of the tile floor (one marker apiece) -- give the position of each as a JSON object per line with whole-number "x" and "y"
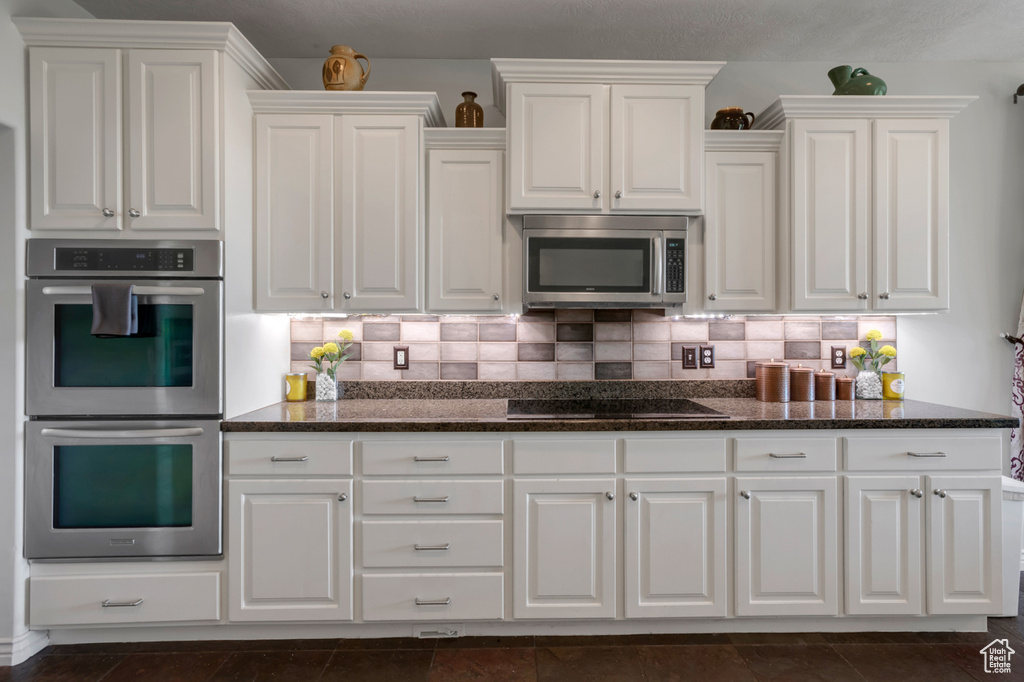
{"x": 902, "y": 657}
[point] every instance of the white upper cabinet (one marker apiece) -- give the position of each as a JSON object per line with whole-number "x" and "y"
{"x": 603, "y": 137}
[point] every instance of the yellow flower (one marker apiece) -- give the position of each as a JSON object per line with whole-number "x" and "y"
{"x": 317, "y": 353}
{"x": 887, "y": 351}
{"x": 330, "y": 348}
{"x": 874, "y": 335}
{"x": 857, "y": 351}
{"x": 345, "y": 334}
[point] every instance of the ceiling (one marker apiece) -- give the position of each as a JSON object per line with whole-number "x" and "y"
{"x": 729, "y": 30}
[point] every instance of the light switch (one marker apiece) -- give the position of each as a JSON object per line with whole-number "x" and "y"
{"x": 689, "y": 357}
{"x": 401, "y": 357}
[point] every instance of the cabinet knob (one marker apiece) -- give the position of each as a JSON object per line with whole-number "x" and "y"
{"x": 939, "y": 492}
{"x": 133, "y": 213}
{"x": 107, "y": 213}
{"x": 712, "y": 297}
{"x": 610, "y": 495}
{"x": 634, "y": 496}
{"x": 324, "y": 295}
{"x": 495, "y": 296}
{"x": 597, "y": 194}
{"x": 618, "y": 194}
{"x": 863, "y": 295}
{"x": 884, "y": 296}
{"x": 915, "y": 492}
{"x": 342, "y": 497}
{"x": 346, "y": 295}
{"x": 745, "y": 494}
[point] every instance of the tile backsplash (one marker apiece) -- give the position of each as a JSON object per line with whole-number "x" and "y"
{"x": 577, "y": 344}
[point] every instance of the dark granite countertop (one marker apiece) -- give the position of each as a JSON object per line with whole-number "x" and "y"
{"x": 440, "y": 414}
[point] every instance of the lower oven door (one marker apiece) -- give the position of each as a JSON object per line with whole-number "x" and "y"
{"x": 122, "y": 489}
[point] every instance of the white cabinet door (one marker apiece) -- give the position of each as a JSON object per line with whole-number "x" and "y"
{"x": 557, "y": 135}
{"x": 290, "y": 552}
{"x": 465, "y": 214}
{"x": 378, "y": 204}
{"x": 739, "y": 231}
{"x": 883, "y": 545}
{"x": 657, "y": 136}
{"x": 675, "y": 548}
{"x": 75, "y": 138}
{"x": 964, "y": 544}
{"x": 564, "y": 548}
{"x": 786, "y": 547}
{"x": 174, "y": 143}
{"x": 294, "y": 212}
{"x": 831, "y": 197}
{"x": 911, "y": 189}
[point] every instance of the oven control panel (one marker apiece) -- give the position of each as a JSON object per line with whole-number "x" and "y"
{"x": 124, "y": 259}
{"x": 675, "y": 259}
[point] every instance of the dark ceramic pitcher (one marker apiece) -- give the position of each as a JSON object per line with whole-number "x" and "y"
{"x": 732, "y": 118}
{"x": 850, "y": 81}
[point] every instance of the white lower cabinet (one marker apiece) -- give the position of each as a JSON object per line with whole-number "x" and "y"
{"x": 451, "y": 596}
{"x": 290, "y": 549}
{"x": 564, "y": 548}
{"x": 675, "y": 548}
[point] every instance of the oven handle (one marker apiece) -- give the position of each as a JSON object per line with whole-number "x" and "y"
{"x": 122, "y": 433}
{"x": 141, "y": 291}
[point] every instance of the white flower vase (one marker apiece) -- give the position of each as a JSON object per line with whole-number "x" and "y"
{"x": 327, "y": 387}
{"x": 869, "y": 385}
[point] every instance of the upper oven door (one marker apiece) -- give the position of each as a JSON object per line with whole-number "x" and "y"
{"x": 589, "y": 267}
{"x": 170, "y": 367}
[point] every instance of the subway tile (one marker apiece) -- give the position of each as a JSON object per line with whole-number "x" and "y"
{"x": 333, "y": 326}
{"x": 350, "y": 371}
{"x": 460, "y": 331}
{"x": 419, "y": 318}
{"x": 752, "y": 368}
{"x": 802, "y": 329}
{"x": 574, "y": 315}
{"x": 300, "y": 351}
{"x": 464, "y": 371}
{"x": 659, "y": 331}
{"x": 536, "y": 333}
{"x": 649, "y": 315}
{"x": 307, "y": 330}
{"x": 498, "y": 352}
{"x": 421, "y": 352}
{"x": 421, "y": 371}
{"x": 537, "y": 316}
{"x": 652, "y": 371}
{"x": 536, "y": 352}
{"x": 575, "y": 331}
{"x": 688, "y": 374}
{"x": 766, "y": 350}
{"x": 613, "y": 331}
{"x": 300, "y": 367}
{"x": 730, "y": 350}
{"x": 728, "y": 369}
{"x": 458, "y": 352}
{"x": 499, "y": 331}
{"x": 613, "y": 370}
{"x": 838, "y": 329}
{"x": 421, "y": 331}
{"x": 723, "y": 331}
{"x": 574, "y": 371}
{"x": 677, "y": 350}
{"x": 380, "y": 371}
{"x": 574, "y": 352}
{"x": 380, "y": 331}
{"x": 885, "y": 325}
{"x": 652, "y": 351}
{"x": 807, "y": 350}
{"x": 379, "y": 352}
{"x": 688, "y": 330}
{"x": 611, "y": 351}
{"x": 535, "y": 371}
{"x": 355, "y": 352}
{"x": 760, "y": 330}
{"x": 612, "y": 315}
{"x": 496, "y": 371}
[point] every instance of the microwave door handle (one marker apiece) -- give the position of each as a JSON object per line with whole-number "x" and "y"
{"x": 656, "y": 283}
{"x": 122, "y": 433}
{"x": 140, "y": 291}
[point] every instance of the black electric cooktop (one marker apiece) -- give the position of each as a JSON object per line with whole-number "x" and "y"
{"x": 611, "y": 408}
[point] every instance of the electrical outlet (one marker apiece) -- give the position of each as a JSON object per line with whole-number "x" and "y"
{"x": 838, "y": 357}
{"x": 401, "y": 357}
{"x": 689, "y": 357}
{"x": 707, "y": 357}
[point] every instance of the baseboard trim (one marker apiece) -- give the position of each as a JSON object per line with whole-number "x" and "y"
{"x": 22, "y": 647}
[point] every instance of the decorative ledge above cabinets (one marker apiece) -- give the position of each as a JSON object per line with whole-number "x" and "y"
{"x": 603, "y": 136}
{"x": 866, "y": 212}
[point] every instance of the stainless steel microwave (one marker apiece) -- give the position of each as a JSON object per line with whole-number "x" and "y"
{"x": 604, "y": 261}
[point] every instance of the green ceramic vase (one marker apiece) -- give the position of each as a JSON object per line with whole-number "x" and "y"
{"x": 850, "y": 81}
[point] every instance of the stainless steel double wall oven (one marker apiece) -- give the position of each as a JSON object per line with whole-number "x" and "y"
{"x": 123, "y": 455}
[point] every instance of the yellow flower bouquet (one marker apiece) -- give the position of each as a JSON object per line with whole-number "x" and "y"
{"x": 326, "y": 359}
{"x": 869, "y": 363}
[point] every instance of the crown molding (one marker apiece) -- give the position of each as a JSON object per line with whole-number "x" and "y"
{"x": 610, "y": 71}
{"x": 423, "y": 104}
{"x": 464, "y": 138}
{"x": 742, "y": 140}
{"x": 173, "y": 35}
{"x": 860, "y": 106}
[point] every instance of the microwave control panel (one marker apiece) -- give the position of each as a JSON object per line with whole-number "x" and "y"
{"x": 675, "y": 259}
{"x": 124, "y": 259}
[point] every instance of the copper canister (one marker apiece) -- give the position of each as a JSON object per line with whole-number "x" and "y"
{"x": 824, "y": 385}
{"x": 844, "y": 388}
{"x": 801, "y": 383}
{"x": 772, "y": 381}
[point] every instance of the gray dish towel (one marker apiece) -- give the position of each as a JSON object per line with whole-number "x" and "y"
{"x": 115, "y": 310}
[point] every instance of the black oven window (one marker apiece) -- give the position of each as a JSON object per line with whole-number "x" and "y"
{"x": 122, "y": 486}
{"x": 578, "y": 264}
{"x": 159, "y": 355}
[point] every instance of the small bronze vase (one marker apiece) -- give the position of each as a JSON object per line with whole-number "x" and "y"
{"x": 469, "y": 114}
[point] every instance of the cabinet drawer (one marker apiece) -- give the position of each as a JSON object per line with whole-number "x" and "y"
{"x": 402, "y": 544}
{"x": 433, "y": 497}
{"x": 568, "y": 456}
{"x": 786, "y": 454}
{"x": 158, "y": 598}
{"x": 886, "y": 453}
{"x": 469, "y": 596}
{"x": 432, "y": 457}
{"x": 288, "y": 458}
{"x": 675, "y": 455}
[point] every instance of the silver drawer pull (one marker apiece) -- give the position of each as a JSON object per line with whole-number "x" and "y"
{"x": 275, "y": 458}
{"x": 433, "y": 602}
{"x": 430, "y": 499}
{"x": 140, "y": 291}
{"x": 429, "y": 548}
{"x": 431, "y": 459}
{"x": 107, "y": 604}
{"x": 927, "y": 454}
{"x": 791, "y": 455}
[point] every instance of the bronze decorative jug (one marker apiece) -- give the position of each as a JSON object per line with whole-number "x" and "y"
{"x": 732, "y": 118}
{"x": 469, "y": 114}
{"x": 342, "y": 70}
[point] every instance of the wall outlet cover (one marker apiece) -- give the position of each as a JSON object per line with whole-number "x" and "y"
{"x": 707, "y": 357}
{"x": 689, "y": 357}
{"x": 838, "y": 356}
{"x": 401, "y": 357}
